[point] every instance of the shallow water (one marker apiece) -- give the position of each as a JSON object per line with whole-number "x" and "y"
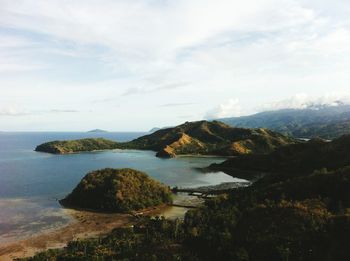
{"x": 31, "y": 182}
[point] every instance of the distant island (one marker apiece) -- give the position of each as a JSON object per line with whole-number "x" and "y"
{"x": 97, "y": 130}
{"x": 190, "y": 138}
{"x": 117, "y": 190}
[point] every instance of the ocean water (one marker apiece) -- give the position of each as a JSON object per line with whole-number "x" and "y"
{"x": 31, "y": 182}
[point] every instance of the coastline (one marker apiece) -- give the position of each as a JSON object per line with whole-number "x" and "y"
{"x": 85, "y": 224}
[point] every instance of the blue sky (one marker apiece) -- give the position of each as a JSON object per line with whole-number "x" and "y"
{"x": 132, "y": 65}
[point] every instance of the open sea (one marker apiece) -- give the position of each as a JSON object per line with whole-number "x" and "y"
{"x": 31, "y": 182}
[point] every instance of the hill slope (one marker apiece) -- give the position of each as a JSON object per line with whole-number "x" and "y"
{"x": 327, "y": 122}
{"x": 210, "y": 138}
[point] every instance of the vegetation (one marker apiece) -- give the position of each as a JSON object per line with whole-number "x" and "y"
{"x": 327, "y": 122}
{"x": 299, "y": 210}
{"x": 117, "y": 190}
{"x": 72, "y": 146}
{"x": 292, "y": 160}
{"x": 198, "y": 138}
{"x": 210, "y": 138}
{"x": 262, "y": 222}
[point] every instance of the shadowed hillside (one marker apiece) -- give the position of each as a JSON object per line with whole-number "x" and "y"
{"x": 295, "y": 159}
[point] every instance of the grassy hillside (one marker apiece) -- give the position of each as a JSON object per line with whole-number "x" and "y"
{"x": 327, "y": 122}
{"x": 117, "y": 190}
{"x": 205, "y": 138}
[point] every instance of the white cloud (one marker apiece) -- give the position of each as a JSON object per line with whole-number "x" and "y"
{"x": 303, "y": 101}
{"x": 230, "y": 108}
{"x": 75, "y": 53}
{"x": 148, "y": 35}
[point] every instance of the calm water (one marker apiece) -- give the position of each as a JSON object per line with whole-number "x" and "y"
{"x": 31, "y": 182}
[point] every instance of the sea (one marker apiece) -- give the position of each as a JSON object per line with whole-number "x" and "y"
{"x": 32, "y": 182}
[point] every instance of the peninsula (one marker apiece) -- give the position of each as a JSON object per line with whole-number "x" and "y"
{"x": 73, "y": 146}
{"x": 190, "y": 138}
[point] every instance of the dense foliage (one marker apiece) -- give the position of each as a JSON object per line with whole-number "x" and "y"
{"x": 327, "y": 122}
{"x": 71, "y": 146}
{"x": 117, "y": 190}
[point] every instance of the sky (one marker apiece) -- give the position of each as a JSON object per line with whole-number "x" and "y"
{"x": 124, "y": 65}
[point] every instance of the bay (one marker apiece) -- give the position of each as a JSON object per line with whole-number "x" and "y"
{"x": 31, "y": 182}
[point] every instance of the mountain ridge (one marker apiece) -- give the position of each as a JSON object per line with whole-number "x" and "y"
{"x": 323, "y": 121}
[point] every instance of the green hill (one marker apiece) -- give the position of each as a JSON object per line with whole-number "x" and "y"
{"x": 117, "y": 190}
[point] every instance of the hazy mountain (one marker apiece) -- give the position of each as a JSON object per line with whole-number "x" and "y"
{"x": 323, "y": 121}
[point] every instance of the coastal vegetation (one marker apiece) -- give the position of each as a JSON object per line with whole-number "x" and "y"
{"x": 266, "y": 221}
{"x": 117, "y": 190}
{"x": 299, "y": 209}
{"x": 195, "y": 138}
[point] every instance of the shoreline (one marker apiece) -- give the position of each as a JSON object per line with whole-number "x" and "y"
{"x": 89, "y": 224}
{"x": 85, "y": 224}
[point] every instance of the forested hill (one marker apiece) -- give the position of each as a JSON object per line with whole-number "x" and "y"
{"x": 327, "y": 122}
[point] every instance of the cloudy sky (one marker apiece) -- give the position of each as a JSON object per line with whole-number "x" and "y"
{"x": 131, "y": 65}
